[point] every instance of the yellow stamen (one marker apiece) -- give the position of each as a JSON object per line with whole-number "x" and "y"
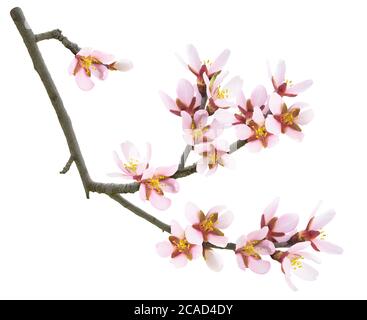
{"x": 222, "y": 93}
{"x": 131, "y": 165}
{"x": 289, "y": 83}
{"x": 183, "y": 245}
{"x": 207, "y": 225}
{"x": 288, "y": 118}
{"x": 249, "y": 249}
{"x": 207, "y": 62}
{"x": 296, "y": 262}
{"x": 261, "y": 132}
{"x": 322, "y": 235}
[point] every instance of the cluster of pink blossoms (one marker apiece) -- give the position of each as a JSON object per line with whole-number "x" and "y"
{"x": 207, "y": 108}
{"x": 204, "y": 234}
{"x": 88, "y": 62}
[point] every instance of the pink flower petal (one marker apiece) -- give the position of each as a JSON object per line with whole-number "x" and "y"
{"x": 166, "y": 171}
{"x": 185, "y": 91}
{"x": 129, "y": 150}
{"x": 286, "y": 223}
{"x": 176, "y": 230}
{"x": 168, "y": 101}
{"x": 219, "y": 241}
{"x": 272, "y": 125}
{"x": 306, "y": 272}
{"x": 258, "y": 234}
{"x": 299, "y": 246}
{"x": 170, "y": 185}
{"x": 197, "y": 251}
{"x": 234, "y": 87}
{"x": 72, "y": 66}
{"x": 254, "y": 146}
{"x": 310, "y": 256}
{"x": 202, "y": 165}
{"x": 225, "y": 220}
{"x": 158, "y": 201}
{"x": 218, "y": 63}
{"x": 294, "y": 134}
{"x": 270, "y": 210}
{"x": 85, "y": 52}
{"x": 222, "y": 118}
{"x": 179, "y": 261}
{"x": 305, "y": 117}
{"x": 279, "y": 75}
{"x": 322, "y": 220}
{"x": 265, "y": 247}
{"x": 258, "y": 266}
{"x": 213, "y": 260}
{"x": 328, "y": 247}
{"x": 192, "y": 213}
{"x": 99, "y": 71}
{"x": 241, "y": 242}
{"x": 241, "y": 99}
{"x": 275, "y": 104}
{"x": 194, "y": 59}
{"x": 259, "y": 96}
{"x": 243, "y": 131}
{"x": 186, "y": 121}
{"x": 299, "y": 87}
{"x": 240, "y": 262}
{"x": 148, "y": 173}
{"x": 193, "y": 236}
{"x": 201, "y": 118}
{"x": 258, "y": 116}
{"x": 143, "y": 192}
{"x": 290, "y": 283}
{"x": 216, "y": 209}
{"x": 272, "y": 140}
{"x": 164, "y": 249}
{"x": 103, "y": 57}
{"x": 83, "y": 81}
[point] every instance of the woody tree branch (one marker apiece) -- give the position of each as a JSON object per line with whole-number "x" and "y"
{"x": 112, "y": 190}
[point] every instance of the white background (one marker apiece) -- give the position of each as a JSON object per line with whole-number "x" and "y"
{"x": 56, "y": 244}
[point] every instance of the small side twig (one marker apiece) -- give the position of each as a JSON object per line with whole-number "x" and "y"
{"x": 57, "y": 34}
{"x": 67, "y": 165}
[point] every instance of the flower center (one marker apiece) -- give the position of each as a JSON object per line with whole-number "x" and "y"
{"x": 197, "y": 134}
{"x": 288, "y": 118}
{"x": 261, "y": 132}
{"x": 249, "y": 248}
{"x": 289, "y": 83}
{"x": 222, "y": 93}
{"x": 86, "y": 62}
{"x": 207, "y": 62}
{"x": 183, "y": 245}
{"x": 131, "y": 165}
{"x": 296, "y": 262}
{"x": 155, "y": 182}
{"x": 207, "y": 225}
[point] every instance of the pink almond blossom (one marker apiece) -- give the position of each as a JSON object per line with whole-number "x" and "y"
{"x": 286, "y": 87}
{"x": 280, "y": 228}
{"x": 316, "y": 235}
{"x": 213, "y": 154}
{"x": 287, "y": 120}
{"x": 188, "y": 99}
{"x": 134, "y": 164}
{"x": 256, "y": 133}
{"x": 88, "y": 62}
{"x": 222, "y": 97}
{"x": 197, "y": 130}
{"x": 155, "y": 182}
{"x": 258, "y": 98}
{"x": 250, "y": 248}
{"x": 207, "y": 227}
{"x": 204, "y": 67}
{"x": 292, "y": 262}
{"x": 178, "y": 247}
